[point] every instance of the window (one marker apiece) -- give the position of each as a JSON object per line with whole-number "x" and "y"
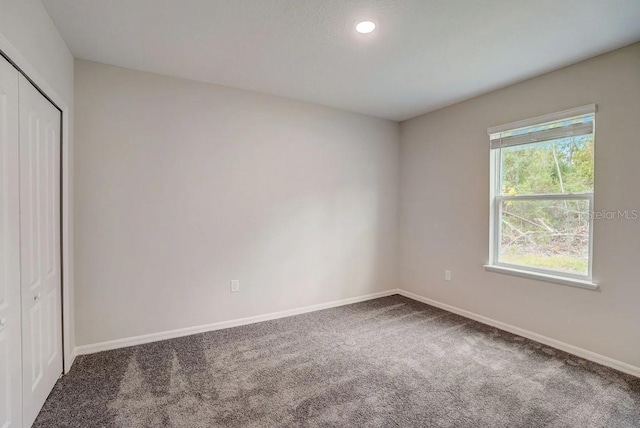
{"x": 542, "y": 196}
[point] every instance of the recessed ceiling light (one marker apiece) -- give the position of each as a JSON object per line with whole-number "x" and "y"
{"x": 365, "y": 27}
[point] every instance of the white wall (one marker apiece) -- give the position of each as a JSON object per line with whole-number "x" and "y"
{"x": 444, "y": 210}
{"x": 27, "y": 25}
{"x": 27, "y": 31}
{"x": 183, "y": 186}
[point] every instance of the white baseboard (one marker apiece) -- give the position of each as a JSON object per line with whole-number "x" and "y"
{"x": 571, "y": 349}
{"x": 154, "y": 337}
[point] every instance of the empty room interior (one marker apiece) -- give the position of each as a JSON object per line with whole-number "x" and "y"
{"x": 319, "y": 213}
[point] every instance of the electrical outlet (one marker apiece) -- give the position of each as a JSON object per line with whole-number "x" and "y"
{"x": 447, "y": 275}
{"x": 235, "y": 285}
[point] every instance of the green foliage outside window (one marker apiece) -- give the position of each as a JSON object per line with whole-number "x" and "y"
{"x": 550, "y": 234}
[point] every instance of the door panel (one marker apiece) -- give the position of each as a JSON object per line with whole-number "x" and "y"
{"x": 40, "y": 248}
{"x": 10, "y": 335}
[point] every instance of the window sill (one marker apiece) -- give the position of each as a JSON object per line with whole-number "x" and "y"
{"x": 543, "y": 277}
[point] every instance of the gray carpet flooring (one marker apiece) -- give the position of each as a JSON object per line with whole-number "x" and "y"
{"x": 389, "y": 362}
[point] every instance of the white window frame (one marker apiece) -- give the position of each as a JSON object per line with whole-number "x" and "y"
{"x": 496, "y": 199}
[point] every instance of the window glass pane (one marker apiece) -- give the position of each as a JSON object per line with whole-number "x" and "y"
{"x": 546, "y": 234}
{"x": 558, "y": 166}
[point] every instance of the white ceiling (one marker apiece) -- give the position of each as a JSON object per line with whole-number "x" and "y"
{"x": 424, "y": 55}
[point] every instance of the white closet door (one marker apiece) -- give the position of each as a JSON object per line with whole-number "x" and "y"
{"x": 10, "y": 349}
{"x": 40, "y": 248}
